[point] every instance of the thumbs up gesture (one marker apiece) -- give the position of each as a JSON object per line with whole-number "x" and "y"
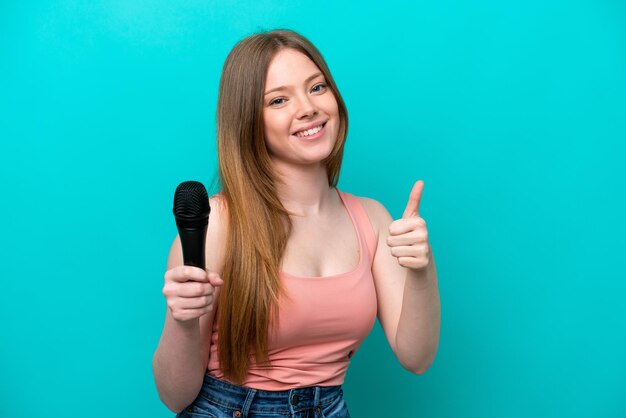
{"x": 408, "y": 237}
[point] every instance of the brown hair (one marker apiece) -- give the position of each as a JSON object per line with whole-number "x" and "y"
{"x": 259, "y": 225}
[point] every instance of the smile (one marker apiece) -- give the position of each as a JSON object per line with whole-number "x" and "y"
{"x": 310, "y": 132}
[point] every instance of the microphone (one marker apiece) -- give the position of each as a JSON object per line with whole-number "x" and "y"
{"x": 191, "y": 210}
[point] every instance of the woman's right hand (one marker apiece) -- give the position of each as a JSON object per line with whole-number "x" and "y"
{"x": 189, "y": 291}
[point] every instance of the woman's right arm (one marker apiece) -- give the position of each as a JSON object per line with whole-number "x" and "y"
{"x": 181, "y": 358}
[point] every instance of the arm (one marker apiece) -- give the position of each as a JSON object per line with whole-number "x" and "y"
{"x": 408, "y": 297}
{"x": 181, "y": 358}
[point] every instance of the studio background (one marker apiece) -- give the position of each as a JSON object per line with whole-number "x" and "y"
{"x": 513, "y": 113}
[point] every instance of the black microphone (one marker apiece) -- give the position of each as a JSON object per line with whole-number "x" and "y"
{"x": 191, "y": 210}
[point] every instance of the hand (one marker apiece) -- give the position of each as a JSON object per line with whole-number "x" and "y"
{"x": 408, "y": 237}
{"x": 189, "y": 291}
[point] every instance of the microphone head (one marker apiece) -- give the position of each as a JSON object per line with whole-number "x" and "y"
{"x": 191, "y": 203}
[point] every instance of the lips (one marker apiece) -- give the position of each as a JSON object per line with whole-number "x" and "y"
{"x": 310, "y": 129}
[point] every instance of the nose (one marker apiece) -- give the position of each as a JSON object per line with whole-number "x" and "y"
{"x": 306, "y": 108}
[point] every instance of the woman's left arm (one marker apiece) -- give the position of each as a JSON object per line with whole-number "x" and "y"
{"x": 406, "y": 284}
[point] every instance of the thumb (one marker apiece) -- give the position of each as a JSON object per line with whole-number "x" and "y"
{"x": 215, "y": 279}
{"x": 413, "y": 206}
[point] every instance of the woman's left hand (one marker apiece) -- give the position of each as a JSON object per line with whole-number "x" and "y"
{"x": 408, "y": 237}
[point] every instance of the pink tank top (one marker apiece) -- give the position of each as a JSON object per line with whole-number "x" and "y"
{"x": 323, "y": 323}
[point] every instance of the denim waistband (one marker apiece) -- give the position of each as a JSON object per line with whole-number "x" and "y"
{"x": 233, "y": 396}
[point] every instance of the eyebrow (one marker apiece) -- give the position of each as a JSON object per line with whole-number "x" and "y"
{"x": 285, "y": 87}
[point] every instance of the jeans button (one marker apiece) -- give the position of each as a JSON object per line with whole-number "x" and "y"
{"x": 237, "y": 414}
{"x": 295, "y": 399}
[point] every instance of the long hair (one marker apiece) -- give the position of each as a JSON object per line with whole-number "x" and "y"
{"x": 259, "y": 225}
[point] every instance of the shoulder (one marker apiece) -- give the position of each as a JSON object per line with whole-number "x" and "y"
{"x": 218, "y": 202}
{"x": 217, "y": 232}
{"x": 218, "y": 217}
{"x": 372, "y": 205}
{"x": 377, "y": 213}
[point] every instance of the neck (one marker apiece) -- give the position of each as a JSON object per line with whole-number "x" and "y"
{"x": 304, "y": 190}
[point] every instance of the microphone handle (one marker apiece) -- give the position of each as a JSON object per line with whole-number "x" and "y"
{"x": 193, "y": 241}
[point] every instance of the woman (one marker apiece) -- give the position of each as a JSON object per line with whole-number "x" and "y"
{"x": 297, "y": 271}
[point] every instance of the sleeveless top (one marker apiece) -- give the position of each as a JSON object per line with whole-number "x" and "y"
{"x": 322, "y": 324}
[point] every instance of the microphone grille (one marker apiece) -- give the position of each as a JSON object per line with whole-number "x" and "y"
{"x": 191, "y": 200}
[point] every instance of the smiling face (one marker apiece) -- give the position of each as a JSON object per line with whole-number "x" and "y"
{"x": 300, "y": 112}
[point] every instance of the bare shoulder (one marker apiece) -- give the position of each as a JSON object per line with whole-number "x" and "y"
{"x": 379, "y": 215}
{"x": 217, "y": 233}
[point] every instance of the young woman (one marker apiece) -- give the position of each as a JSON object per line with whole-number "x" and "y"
{"x": 297, "y": 271}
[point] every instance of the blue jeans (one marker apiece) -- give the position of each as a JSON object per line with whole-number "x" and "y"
{"x": 220, "y": 399}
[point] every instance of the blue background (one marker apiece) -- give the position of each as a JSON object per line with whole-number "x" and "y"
{"x": 513, "y": 113}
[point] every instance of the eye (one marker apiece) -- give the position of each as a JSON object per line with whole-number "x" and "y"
{"x": 319, "y": 87}
{"x": 277, "y": 102}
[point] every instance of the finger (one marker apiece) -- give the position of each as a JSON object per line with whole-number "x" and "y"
{"x": 196, "y": 289}
{"x": 195, "y": 303}
{"x": 186, "y": 273}
{"x": 413, "y": 205}
{"x": 188, "y": 314}
{"x": 215, "y": 279}
{"x": 411, "y": 238}
{"x": 413, "y": 262}
{"x": 402, "y": 226}
{"x": 407, "y": 251}
{"x": 175, "y": 290}
{"x": 415, "y": 251}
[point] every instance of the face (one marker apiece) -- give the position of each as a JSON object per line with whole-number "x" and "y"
{"x": 300, "y": 114}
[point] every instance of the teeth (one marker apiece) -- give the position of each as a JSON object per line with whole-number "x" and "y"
{"x": 309, "y": 132}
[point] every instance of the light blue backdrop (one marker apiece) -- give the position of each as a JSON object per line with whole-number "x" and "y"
{"x": 512, "y": 112}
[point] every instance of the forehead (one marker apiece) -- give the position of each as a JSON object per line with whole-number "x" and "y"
{"x": 289, "y": 67}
